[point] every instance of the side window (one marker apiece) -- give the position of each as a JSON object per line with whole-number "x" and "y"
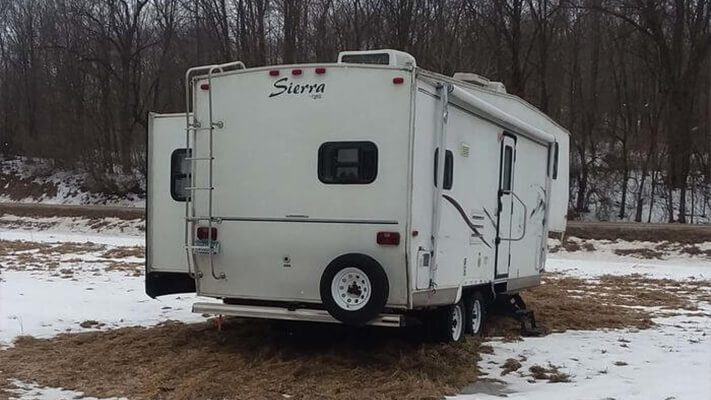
{"x": 508, "y": 158}
{"x": 555, "y": 161}
{"x": 347, "y": 163}
{"x": 180, "y": 174}
{"x": 448, "y": 168}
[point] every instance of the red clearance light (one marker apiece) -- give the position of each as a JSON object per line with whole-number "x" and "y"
{"x": 320, "y": 70}
{"x": 203, "y": 232}
{"x": 205, "y": 86}
{"x": 388, "y": 238}
{"x": 296, "y": 72}
{"x": 274, "y": 72}
{"x": 398, "y": 80}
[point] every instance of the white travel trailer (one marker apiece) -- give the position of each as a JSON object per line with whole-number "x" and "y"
{"x": 367, "y": 191}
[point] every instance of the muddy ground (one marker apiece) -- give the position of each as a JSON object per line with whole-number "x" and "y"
{"x": 266, "y": 360}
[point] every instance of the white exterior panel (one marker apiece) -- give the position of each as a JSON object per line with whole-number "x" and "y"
{"x": 266, "y": 186}
{"x": 165, "y": 216}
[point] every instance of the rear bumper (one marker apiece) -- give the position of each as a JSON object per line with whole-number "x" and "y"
{"x": 299, "y": 314}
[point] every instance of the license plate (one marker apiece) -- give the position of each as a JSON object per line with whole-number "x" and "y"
{"x": 201, "y": 247}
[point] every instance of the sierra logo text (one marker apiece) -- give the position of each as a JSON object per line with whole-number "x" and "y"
{"x": 284, "y": 86}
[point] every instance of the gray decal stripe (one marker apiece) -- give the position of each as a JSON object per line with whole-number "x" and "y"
{"x": 309, "y": 220}
{"x": 466, "y": 219}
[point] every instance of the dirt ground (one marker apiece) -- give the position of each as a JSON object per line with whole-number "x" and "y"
{"x": 266, "y": 360}
{"x": 679, "y": 233}
{"x": 63, "y": 210}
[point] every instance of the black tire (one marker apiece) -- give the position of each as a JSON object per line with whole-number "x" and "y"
{"x": 472, "y": 299}
{"x": 446, "y": 324}
{"x": 371, "y": 305}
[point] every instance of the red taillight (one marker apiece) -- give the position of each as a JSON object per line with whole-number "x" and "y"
{"x": 320, "y": 70}
{"x": 274, "y": 72}
{"x": 205, "y": 86}
{"x": 398, "y": 80}
{"x": 389, "y": 238}
{"x": 203, "y": 232}
{"x": 296, "y": 72}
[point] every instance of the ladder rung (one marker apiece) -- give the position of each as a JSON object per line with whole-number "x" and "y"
{"x": 199, "y": 158}
{"x": 214, "y": 219}
{"x": 199, "y": 248}
{"x": 201, "y": 128}
{"x": 198, "y": 188}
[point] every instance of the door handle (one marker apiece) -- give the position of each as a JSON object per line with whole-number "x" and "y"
{"x": 525, "y": 212}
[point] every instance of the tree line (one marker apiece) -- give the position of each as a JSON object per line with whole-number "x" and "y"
{"x": 630, "y": 79}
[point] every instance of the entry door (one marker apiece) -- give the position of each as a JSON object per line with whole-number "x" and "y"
{"x": 507, "y": 162}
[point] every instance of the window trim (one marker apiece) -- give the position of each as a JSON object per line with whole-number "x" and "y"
{"x": 359, "y": 144}
{"x": 177, "y": 157}
{"x": 448, "y": 168}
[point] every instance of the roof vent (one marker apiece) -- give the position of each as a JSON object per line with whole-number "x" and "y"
{"x": 377, "y": 57}
{"x": 480, "y": 81}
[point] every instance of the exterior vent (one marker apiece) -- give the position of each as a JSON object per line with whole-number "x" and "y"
{"x": 480, "y": 81}
{"x": 389, "y": 57}
{"x": 464, "y": 150}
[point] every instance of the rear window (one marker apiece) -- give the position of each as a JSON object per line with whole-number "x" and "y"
{"x": 179, "y": 174}
{"x": 347, "y": 163}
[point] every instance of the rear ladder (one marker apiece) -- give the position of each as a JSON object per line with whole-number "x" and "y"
{"x": 193, "y": 127}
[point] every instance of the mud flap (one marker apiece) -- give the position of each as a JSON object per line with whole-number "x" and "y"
{"x": 162, "y": 283}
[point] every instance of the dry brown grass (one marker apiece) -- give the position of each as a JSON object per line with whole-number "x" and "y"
{"x": 551, "y": 374}
{"x": 133, "y": 269}
{"x": 262, "y": 360}
{"x": 572, "y": 245}
{"x": 694, "y": 250}
{"x": 32, "y": 256}
{"x": 13, "y": 247}
{"x": 563, "y": 303}
{"x": 73, "y": 248}
{"x": 510, "y": 365}
{"x": 640, "y": 253}
{"x": 124, "y": 251}
{"x": 254, "y": 360}
{"x": 64, "y": 210}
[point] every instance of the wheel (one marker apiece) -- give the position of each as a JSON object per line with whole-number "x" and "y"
{"x": 447, "y": 323}
{"x": 354, "y": 289}
{"x": 476, "y": 313}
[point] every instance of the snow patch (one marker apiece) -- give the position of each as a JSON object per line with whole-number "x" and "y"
{"x": 672, "y": 361}
{"x": 33, "y": 391}
{"x": 71, "y": 185}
